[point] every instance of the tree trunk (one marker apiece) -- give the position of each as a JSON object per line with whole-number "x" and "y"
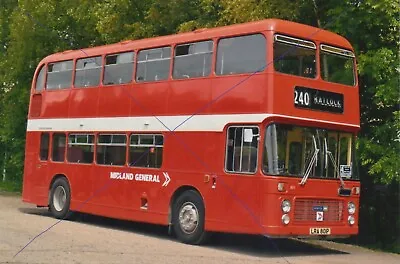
{"x": 316, "y": 13}
{"x": 4, "y": 166}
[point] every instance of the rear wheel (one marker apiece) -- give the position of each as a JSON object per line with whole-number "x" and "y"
{"x": 188, "y": 218}
{"x": 60, "y": 198}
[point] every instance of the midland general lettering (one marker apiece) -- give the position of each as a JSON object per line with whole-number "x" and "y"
{"x": 137, "y": 177}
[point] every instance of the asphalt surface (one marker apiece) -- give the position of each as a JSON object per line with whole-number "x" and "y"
{"x": 92, "y": 239}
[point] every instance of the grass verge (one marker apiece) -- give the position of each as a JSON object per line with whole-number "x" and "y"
{"x": 10, "y": 187}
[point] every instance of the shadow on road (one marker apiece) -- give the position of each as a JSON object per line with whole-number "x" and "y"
{"x": 243, "y": 244}
{"x": 266, "y": 247}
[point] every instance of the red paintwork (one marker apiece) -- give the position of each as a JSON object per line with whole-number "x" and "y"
{"x": 240, "y": 203}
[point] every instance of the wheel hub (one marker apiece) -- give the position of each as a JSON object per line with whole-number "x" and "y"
{"x": 59, "y": 198}
{"x": 188, "y": 218}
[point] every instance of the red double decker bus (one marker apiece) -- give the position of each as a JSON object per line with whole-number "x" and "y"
{"x": 248, "y": 128}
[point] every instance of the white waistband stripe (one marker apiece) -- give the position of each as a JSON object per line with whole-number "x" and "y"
{"x": 150, "y": 123}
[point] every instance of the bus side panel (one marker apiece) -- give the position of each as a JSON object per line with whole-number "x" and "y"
{"x": 188, "y": 97}
{"x": 82, "y": 102}
{"x": 28, "y": 178}
{"x": 148, "y": 99}
{"x": 233, "y": 204}
{"x": 55, "y": 103}
{"x": 234, "y": 95}
{"x": 115, "y": 101}
{"x": 35, "y": 188}
{"x": 81, "y": 180}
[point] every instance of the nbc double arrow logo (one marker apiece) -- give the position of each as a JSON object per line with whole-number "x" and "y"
{"x": 167, "y": 179}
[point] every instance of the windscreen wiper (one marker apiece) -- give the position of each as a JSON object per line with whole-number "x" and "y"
{"x": 311, "y": 164}
{"x": 328, "y": 153}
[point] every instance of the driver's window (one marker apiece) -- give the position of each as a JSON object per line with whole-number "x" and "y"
{"x": 242, "y": 149}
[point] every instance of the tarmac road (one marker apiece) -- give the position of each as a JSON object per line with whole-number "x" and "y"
{"x": 91, "y": 239}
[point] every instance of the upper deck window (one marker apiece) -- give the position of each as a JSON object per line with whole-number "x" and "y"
{"x": 118, "y": 68}
{"x": 244, "y": 54}
{"x": 153, "y": 64}
{"x": 59, "y": 75}
{"x": 294, "y": 56}
{"x": 193, "y": 60}
{"x": 40, "y": 80}
{"x": 337, "y": 65}
{"x": 87, "y": 72}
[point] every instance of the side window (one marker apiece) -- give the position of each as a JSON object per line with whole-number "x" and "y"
{"x": 146, "y": 150}
{"x": 193, "y": 60}
{"x": 59, "y": 75}
{"x": 242, "y": 149}
{"x": 40, "y": 79}
{"x": 58, "y": 147}
{"x": 80, "y": 148}
{"x": 111, "y": 149}
{"x": 44, "y": 146}
{"x": 153, "y": 64}
{"x": 87, "y": 72}
{"x": 244, "y": 54}
{"x": 118, "y": 68}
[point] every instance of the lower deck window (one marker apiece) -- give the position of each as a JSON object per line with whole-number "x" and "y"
{"x": 146, "y": 150}
{"x": 44, "y": 146}
{"x": 111, "y": 149}
{"x": 242, "y": 149}
{"x": 58, "y": 153}
{"x": 80, "y": 148}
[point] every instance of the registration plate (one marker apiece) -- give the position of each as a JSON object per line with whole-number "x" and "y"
{"x": 320, "y": 231}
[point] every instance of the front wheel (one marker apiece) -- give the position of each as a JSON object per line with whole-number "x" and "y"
{"x": 188, "y": 218}
{"x": 60, "y": 198}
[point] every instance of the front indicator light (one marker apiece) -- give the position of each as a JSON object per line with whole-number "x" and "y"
{"x": 281, "y": 187}
{"x": 351, "y": 208}
{"x": 285, "y": 219}
{"x": 351, "y": 220}
{"x": 285, "y": 206}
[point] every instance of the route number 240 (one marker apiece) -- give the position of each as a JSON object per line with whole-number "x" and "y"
{"x": 301, "y": 98}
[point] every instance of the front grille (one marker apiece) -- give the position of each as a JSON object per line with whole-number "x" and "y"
{"x": 306, "y": 210}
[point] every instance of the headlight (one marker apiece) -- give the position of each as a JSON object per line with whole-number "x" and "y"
{"x": 285, "y": 219}
{"x": 351, "y": 208}
{"x": 351, "y": 220}
{"x": 285, "y": 206}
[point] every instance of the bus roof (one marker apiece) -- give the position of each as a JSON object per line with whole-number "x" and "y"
{"x": 277, "y": 25}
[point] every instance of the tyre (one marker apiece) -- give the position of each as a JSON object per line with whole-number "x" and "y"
{"x": 188, "y": 218}
{"x": 60, "y": 198}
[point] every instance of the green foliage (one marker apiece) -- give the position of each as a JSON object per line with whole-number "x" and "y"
{"x": 33, "y": 29}
{"x": 374, "y": 34}
{"x": 10, "y": 186}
